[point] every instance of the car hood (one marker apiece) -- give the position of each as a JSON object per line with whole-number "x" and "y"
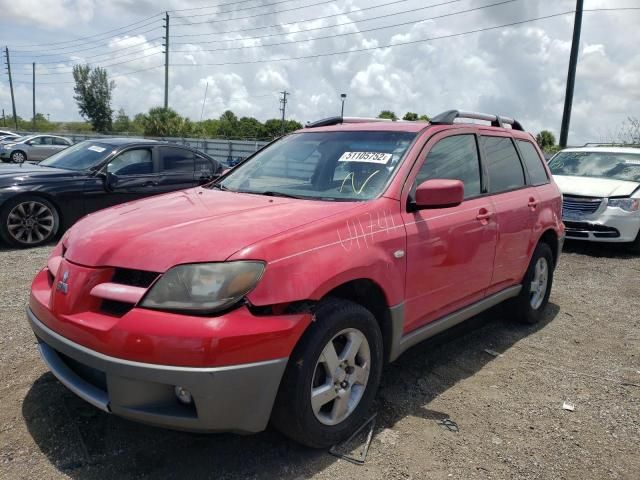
{"x": 189, "y": 226}
{"x": 24, "y": 173}
{"x": 595, "y": 187}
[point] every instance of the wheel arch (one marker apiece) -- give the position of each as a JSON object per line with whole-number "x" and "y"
{"x": 550, "y": 237}
{"x": 370, "y": 295}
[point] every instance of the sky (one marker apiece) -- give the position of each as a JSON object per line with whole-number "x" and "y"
{"x": 243, "y": 53}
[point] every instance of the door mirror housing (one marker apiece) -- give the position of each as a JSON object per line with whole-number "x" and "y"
{"x": 439, "y": 193}
{"x": 110, "y": 181}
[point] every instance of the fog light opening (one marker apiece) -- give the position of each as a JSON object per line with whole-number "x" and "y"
{"x": 183, "y": 395}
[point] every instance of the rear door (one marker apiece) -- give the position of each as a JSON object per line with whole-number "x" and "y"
{"x": 514, "y": 202}
{"x": 450, "y": 251}
{"x": 177, "y": 169}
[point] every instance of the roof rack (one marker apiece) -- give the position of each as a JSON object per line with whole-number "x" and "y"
{"x": 325, "y": 122}
{"x": 447, "y": 118}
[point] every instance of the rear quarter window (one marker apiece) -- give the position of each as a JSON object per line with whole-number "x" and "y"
{"x": 533, "y": 162}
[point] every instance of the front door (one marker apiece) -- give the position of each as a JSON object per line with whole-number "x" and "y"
{"x": 450, "y": 251}
{"x": 134, "y": 175}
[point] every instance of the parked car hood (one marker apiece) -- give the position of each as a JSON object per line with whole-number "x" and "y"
{"x": 17, "y": 175}
{"x": 188, "y": 226}
{"x": 595, "y": 187}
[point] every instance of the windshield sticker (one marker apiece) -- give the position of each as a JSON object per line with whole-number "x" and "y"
{"x": 366, "y": 157}
{"x": 632, "y": 162}
{"x": 94, "y": 148}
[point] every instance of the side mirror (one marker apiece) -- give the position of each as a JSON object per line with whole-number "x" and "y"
{"x": 110, "y": 181}
{"x": 439, "y": 193}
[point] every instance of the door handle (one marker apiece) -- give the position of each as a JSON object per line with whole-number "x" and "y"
{"x": 150, "y": 184}
{"x": 532, "y": 202}
{"x": 483, "y": 215}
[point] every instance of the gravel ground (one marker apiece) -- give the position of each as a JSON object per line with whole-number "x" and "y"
{"x": 508, "y": 407}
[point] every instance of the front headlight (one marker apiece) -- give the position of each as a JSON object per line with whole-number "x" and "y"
{"x": 626, "y": 204}
{"x": 203, "y": 288}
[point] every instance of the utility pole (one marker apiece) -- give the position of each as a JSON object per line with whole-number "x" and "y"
{"x": 34, "y": 96}
{"x": 4, "y": 119}
{"x": 13, "y": 100}
{"x": 166, "y": 60}
{"x": 283, "y": 108}
{"x": 571, "y": 76}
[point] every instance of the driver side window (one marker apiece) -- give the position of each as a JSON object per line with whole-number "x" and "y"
{"x": 453, "y": 158}
{"x": 132, "y": 162}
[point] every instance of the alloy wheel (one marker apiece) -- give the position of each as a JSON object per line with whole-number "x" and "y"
{"x": 539, "y": 283}
{"x": 18, "y": 157}
{"x": 340, "y": 377}
{"x": 30, "y": 222}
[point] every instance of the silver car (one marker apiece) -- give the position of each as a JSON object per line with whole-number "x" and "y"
{"x": 601, "y": 188}
{"x": 32, "y": 148}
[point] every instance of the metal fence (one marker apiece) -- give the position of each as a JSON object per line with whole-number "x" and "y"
{"x": 227, "y": 152}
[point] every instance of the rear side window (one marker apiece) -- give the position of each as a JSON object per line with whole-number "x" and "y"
{"x": 206, "y": 167}
{"x": 503, "y": 164}
{"x": 176, "y": 160}
{"x": 533, "y": 162}
{"x": 454, "y": 158}
{"x": 60, "y": 141}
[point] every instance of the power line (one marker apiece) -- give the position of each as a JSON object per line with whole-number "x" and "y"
{"x": 233, "y": 10}
{"x": 366, "y": 49}
{"x": 411, "y": 22}
{"x": 313, "y": 20}
{"x": 88, "y": 36}
{"x": 257, "y": 15}
{"x": 99, "y": 65}
{"x": 412, "y": 42}
{"x": 26, "y": 54}
{"x": 116, "y": 74}
{"x": 107, "y": 54}
{"x": 211, "y": 6}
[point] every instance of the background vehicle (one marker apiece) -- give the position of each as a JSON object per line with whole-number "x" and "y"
{"x": 601, "y": 187}
{"x": 278, "y": 291}
{"x": 39, "y": 200}
{"x": 33, "y": 148}
{"x": 9, "y": 137}
{"x": 6, "y": 132}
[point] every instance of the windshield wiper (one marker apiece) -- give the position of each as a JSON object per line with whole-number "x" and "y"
{"x": 270, "y": 193}
{"x": 219, "y": 186}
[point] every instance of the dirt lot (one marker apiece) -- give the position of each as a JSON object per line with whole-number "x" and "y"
{"x": 508, "y": 408}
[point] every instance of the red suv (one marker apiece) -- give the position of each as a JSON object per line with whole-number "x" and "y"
{"x": 278, "y": 291}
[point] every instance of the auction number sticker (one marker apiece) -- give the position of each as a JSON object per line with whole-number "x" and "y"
{"x": 94, "y": 148}
{"x": 366, "y": 157}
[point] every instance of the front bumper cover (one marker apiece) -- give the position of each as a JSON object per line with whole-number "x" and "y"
{"x": 236, "y": 398}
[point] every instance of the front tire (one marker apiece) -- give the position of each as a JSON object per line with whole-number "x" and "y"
{"x": 528, "y": 307}
{"x": 634, "y": 247}
{"x": 332, "y": 376}
{"x": 18, "y": 157}
{"x": 28, "y": 221}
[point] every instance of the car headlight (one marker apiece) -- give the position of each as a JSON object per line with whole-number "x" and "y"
{"x": 626, "y": 204}
{"x": 203, "y": 288}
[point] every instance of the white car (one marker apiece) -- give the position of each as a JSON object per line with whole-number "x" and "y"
{"x": 601, "y": 189}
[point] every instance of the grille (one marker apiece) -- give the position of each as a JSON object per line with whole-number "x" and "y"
{"x": 582, "y": 229}
{"x": 584, "y": 205}
{"x": 135, "y": 278}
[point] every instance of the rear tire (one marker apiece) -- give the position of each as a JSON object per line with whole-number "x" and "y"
{"x": 28, "y": 221}
{"x": 332, "y": 376}
{"x": 528, "y": 307}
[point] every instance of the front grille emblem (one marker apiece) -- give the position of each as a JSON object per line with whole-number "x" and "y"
{"x": 63, "y": 285}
